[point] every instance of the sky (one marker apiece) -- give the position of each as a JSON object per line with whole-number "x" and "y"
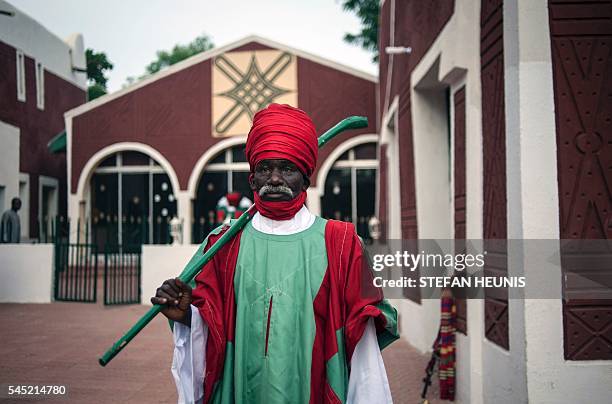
{"x": 130, "y": 32}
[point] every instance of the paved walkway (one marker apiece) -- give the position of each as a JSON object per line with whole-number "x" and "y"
{"x": 60, "y": 343}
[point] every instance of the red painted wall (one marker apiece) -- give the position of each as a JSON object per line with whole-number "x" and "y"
{"x": 417, "y": 24}
{"x": 173, "y": 114}
{"x": 329, "y": 96}
{"x": 36, "y": 126}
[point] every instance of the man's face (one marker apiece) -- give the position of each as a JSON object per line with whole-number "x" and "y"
{"x": 278, "y": 180}
{"x": 16, "y": 205}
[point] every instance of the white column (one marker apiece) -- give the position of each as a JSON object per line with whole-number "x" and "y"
{"x": 74, "y": 213}
{"x": 184, "y": 212}
{"x": 549, "y": 377}
{"x": 9, "y": 163}
{"x": 313, "y": 200}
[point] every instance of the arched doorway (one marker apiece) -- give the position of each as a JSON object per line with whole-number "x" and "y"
{"x": 225, "y": 173}
{"x": 131, "y": 201}
{"x": 350, "y": 187}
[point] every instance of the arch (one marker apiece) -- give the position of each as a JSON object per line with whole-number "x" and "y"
{"x": 338, "y": 151}
{"x": 215, "y": 149}
{"x": 92, "y": 163}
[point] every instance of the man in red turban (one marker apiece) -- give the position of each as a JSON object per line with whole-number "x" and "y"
{"x": 281, "y": 313}
{"x": 281, "y": 136}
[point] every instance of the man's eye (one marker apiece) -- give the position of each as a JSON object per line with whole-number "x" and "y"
{"x": 288, "y": 169}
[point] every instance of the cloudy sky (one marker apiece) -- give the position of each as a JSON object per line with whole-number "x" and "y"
{"x": 131, "y": 31}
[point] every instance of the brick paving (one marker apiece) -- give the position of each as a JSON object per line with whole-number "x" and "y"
{"x": 60, "y": 343}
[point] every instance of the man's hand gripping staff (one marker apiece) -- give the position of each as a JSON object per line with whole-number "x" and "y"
{"x": 176, "y": 291}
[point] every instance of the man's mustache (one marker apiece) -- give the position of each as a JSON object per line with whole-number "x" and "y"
{"x": 275, "y": 189}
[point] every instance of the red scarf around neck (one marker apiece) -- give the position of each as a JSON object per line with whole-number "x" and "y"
{"x": 280, "y": 210}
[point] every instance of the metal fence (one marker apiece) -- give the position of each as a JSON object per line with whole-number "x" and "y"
{"x": 122, "y": 274}
{"x": 50, "y": 230}
{"x": 76, "y": 272}
{"x": 134, "y": 230}
{"x": 78, "y": 255}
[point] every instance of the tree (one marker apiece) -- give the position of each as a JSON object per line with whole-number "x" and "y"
{"x": 97, "y": 65}
{"x": 368, "y": 12}
{"x": 179, "y": 52}
{"x": 167, "y": 58}
{"x": 94, "y": 91}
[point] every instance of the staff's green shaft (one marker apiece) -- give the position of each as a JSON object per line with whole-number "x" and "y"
{"x": 195, "y": 266}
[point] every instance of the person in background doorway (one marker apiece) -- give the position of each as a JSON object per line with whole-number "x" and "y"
{"x": 10, "y": 227}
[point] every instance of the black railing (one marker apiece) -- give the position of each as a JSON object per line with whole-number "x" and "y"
{"x": 76, "y": 272}
{"x": 122, "y": 274}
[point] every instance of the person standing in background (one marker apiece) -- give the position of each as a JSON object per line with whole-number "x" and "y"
{"x": 10, "y": 227}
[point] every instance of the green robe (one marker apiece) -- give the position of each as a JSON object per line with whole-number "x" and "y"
{"x": 266, "y": 300}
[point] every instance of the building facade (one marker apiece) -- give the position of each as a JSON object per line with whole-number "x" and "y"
{"x": 172, "y": 145}
{"x": 498, "y": 126}
{"x": 41, "y": 78}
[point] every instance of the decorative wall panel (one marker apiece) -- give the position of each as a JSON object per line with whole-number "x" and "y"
{"x": 460, "y": 193}
{"x": 494, "y": 160}
{"x": 245, "y": 82}
{"x": 581, "y": 41}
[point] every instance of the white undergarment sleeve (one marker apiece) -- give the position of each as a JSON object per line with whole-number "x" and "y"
{"x": 189, "y": 361}
{"x": 368, "y": 383}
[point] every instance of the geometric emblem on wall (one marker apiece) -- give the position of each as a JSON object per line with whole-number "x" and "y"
{"x": 588, "y": 333}
{"x": 245, "y": 82}
{"x": 496, "y": 322}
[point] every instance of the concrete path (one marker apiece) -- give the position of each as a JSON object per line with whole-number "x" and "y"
{"x": 60, "y": 343}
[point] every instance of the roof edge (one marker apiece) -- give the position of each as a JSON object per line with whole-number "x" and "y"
{"x": 201, "y": 57}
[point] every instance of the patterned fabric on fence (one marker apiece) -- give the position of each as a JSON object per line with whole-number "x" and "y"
{"x": 446, "y": 345}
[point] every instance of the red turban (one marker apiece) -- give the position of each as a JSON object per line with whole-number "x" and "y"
{"x": 283, "y": 132}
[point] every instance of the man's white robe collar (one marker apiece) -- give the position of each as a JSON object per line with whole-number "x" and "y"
{"x": 302, "y": 220}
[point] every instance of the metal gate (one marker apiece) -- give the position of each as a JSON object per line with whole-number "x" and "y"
{"x": 122, "y": 274}
{"x": 76, "y": 272}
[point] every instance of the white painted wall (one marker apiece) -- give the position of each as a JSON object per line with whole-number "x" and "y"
{"x": 432, "y": 183}
{"x": 9, "y": 162}
{"x": 533, "y": 370}
{"x": 26, "y": 273}
{"x": 457, "y": 66}
{"x": 533, "y": 209}
{"x": 56, "y": 55}
{"x": 389, "y": 136}
{"x": 52, "y": 202}
{"x": 463, "y": 376}
{"x": 161, "y": 262}
{"x": 419, "y": 322}
{"x": 432, "y": 163}
{"x": 24, "y": 212}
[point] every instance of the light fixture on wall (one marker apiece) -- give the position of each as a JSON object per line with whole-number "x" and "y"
{"x": 397, "y": 50}
{"x": 336, "y": 188}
